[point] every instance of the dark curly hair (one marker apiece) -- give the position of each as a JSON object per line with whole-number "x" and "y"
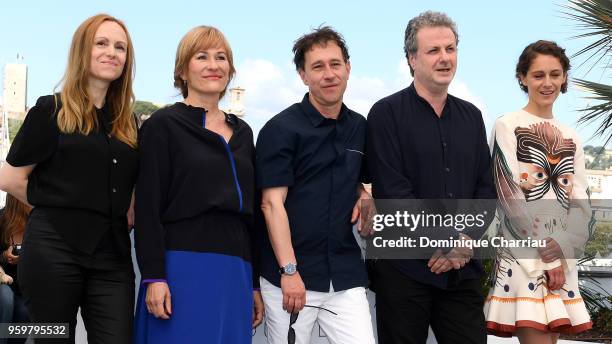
{"x": 319, "y": 36}
{"x": 541, "y": 47}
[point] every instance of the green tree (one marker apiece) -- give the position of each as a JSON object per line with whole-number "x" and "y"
{"x": 144, "y": 108}
{"x": 14, "y": 125}
{"x": 600, "y": 241}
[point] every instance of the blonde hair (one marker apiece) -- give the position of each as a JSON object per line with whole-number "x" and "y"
{"x": 78, "y": 113}
{"x": 200, "y": 38}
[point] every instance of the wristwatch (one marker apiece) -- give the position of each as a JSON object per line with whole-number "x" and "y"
{"x": 289, "y": 269}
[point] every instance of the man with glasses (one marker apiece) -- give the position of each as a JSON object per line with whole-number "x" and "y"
{"x": 309, "y": 167}
{"x": 426, "y": 144}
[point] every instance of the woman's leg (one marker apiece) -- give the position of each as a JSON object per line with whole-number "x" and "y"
{"x": 555, "y": 337}
{"x": 108, "y": 300}
{"x": 533, "y": 336}
{"x": 6, "y": 306}
{"x": 20, "y": 312}
{"x": 20, "y": 315}
{"x": 50, "y": 277}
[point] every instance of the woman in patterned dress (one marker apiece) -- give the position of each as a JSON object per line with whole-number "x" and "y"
{"x": 539, "y": 172}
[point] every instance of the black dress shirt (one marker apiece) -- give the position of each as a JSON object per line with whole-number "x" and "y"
{"x": 195, "y": 191}
{"x": 83, "y": 183}
{"x": 413, "y": 153}
{"x": 320, "y": 161}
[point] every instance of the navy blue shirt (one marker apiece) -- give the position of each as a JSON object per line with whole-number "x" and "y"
{"x": 320, "y": 161}
{"x": 413, "y": 153}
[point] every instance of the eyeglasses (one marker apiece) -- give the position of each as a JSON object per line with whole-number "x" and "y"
{"x": 293, "y": 319}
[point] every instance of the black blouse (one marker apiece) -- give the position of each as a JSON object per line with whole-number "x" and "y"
{"x": 194, "y": 188}
{"x": 83, "y": 183}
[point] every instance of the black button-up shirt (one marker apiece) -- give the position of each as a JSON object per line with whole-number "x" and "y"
{"x": 413, "y": 153}
{"x": 83, "y": 183}
{"x": 320, "y": 161}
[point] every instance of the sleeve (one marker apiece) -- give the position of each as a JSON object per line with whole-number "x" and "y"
{"x": 484, "y": 184}
{"x": 274, "y": 156}
{"x": 258, "y": 231}
{"x": 151, "y": 197}
{"x": 38, "y": 136}
{"x": 384, "y": 155}
{"x": 511, "y": 200}
{"x": 579, "y": 216}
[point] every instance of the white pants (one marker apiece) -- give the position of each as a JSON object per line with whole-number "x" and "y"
{"x": 352, "y": 324}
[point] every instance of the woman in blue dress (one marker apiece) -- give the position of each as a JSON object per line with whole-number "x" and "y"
{"x": 194, "y": 208}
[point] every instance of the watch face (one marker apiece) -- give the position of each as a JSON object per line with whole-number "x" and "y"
{"x": 290, "y": 269}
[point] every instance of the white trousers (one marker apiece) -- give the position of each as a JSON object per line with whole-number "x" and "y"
{"x": 352, "y": 324}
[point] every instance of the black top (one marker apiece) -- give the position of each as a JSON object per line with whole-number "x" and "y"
{"x": 320, "y": 160}
{"x": 83, "y": 182}
{"x": 413, "y": 153}
{"x": 195, "y": 191}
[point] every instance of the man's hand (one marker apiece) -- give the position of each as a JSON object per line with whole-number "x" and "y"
{"x": 460, "y": 256}
{"x": 457, "y": 259}
{"x": 438, "y": 263}
{"x": 556, "y": 278}
{"x": 364, "y": 219}
{"x": 294, "y": 292}
{"x": 158, "y": 300}
{"x": 551, "y": 252}
{"x": 258, "y": 308}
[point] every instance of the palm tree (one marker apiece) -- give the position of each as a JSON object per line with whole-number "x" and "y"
{"x": 594, "y": 19}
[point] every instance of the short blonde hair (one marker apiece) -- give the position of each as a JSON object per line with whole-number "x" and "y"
{"x": 197, "y": 39}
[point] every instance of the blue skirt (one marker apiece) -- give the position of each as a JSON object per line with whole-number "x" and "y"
{"x": 212, "y": 301}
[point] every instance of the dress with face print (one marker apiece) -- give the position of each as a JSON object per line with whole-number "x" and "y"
{"x": 539, "y": 173}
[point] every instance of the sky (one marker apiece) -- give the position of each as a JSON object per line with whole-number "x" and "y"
{"x": 492, "y": 35}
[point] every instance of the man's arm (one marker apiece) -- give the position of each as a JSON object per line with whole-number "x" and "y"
{"x": 384, "y": 156}
{"x": 277, "y": 222}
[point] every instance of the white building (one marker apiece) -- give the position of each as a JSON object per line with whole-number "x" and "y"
{"x": 236, "y": 101}
{"x": 15, "y": 90}
{"x": 600, "y": 183}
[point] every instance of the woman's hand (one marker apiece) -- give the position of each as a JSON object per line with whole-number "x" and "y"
{"x": 130, "y": 214}
{"x": 551, "y": 252}
{"x": 9, "y": 257}
{"x": 556, "y": 278}
{"x": 4, "y": 278}
{"x": 258, "y": 308}
{"x": 158, "y": 300}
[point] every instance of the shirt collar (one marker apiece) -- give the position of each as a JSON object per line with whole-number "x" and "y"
{"x": 316, "y": 118}
{"x": 196, "y": 114}
{"x": 445, "y": 112}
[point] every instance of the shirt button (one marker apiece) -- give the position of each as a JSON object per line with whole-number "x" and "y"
{"x": 447, "y": 169}
{"x": 114, "y": 161}
{"x": 114, "y": 190}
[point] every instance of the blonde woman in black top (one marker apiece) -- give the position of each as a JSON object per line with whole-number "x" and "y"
{"x": 75, "y": 161}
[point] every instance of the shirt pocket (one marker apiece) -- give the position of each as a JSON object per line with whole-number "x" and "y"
{"x": 352, "y": 163}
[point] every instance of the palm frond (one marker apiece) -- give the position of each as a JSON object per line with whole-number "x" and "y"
{"x": 594, "y": 295}
{"x": 601, "y": 112}
{"x": 594, "y": 17}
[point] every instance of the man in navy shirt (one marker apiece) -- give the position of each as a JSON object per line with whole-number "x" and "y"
{"x": 309, "y": 167}
{"x": 426, "y": 144}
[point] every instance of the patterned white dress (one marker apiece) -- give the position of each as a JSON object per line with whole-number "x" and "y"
{"x": 539, "y": 172}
